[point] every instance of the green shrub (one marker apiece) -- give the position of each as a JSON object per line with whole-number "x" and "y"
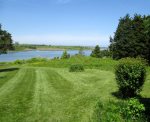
{"x": 96, "y": 52}
{"x": 65, "y": 55}
{"x": 130, "y": 76}
{"x": 19, "y": 62}
{"x": 134, "y": 109}
{"x": 56, "y": 58}
{"x": 76, "y": 68}
{"x": 105, "y": 53}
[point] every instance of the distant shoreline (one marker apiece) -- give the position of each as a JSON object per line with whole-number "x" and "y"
{"x": 44, "y": 50}
{"x": 30, "y": 47}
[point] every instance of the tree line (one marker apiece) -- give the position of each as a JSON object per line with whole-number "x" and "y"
{"x": 131, "y": 39}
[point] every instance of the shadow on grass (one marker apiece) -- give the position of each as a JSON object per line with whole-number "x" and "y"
{"x": 118, "y": 95}
{"x": 146, "y": 103}
{"x": 8, "y": 69}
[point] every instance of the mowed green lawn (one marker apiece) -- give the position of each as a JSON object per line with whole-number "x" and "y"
{"x": 40, "y": 94}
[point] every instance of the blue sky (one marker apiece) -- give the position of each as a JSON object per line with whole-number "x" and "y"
{"x": 66, "y": 22}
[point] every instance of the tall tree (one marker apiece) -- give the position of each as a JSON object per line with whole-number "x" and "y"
{"x": 96, "y": 52}
{"x": 130, "y": 39}
{"x": 122, "y": 34}
{"x": 147, "y": 36}
{"x": 6, "y": 42}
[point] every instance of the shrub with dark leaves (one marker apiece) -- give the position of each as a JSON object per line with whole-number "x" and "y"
{"x": 130, "y": 76}
{"x": 76, "y": 68}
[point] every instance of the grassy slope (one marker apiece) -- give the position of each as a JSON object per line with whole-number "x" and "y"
{"x": 146, "y": 89}
{"x": 16, "y": 94}
{"x": 41, "y": 94}
{"x": 50, "y": 95}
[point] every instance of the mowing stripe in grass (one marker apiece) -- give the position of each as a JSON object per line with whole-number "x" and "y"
{"x": 16, "y": 96}
{"x": 52, "y": 95}
{"x": 48, "y": 96}
{"x": 7, "y": 75}
{"x": 59, "y": 83}
{"x": 41, "y": 103}
{"x": 89, "y": 87}
{"x": 9, "y": 86}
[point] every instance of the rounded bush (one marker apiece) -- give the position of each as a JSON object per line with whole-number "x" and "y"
{"x": 76, "y": 68}
{"x": 130, "y": 76}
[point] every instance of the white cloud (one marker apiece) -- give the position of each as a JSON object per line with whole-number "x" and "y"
{"x": 59, "y": 39}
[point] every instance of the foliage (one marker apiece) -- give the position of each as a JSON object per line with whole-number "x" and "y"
{"x": 56, "y": 58}
{"x": 20, "y": 47}
{"x": 37, "y": 59}
{"x": 119, "y": 111}
{"x": 130, "y": 76}
{"x": 131, "y": 38}
{"x": 106, "y": 112}
{"x": 134, "y": 109}
{"x": 147, "y": 35}
{"x": 19, "y": 62}
{"x": 87, "y": 62}
{"x": 65, "y": 55}
{"x": 96, "y": 52}
{"x": 6, "y": 42}
{"x": 32, "y": 60}
{"x": 32, "y": 47}
{"x": 76, "y": 68}
{"x": 105, "y": 53}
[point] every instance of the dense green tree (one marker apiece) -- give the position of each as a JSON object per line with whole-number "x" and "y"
{"x": 147, "y": 36}
{"x": 130, "y": 39}
{"x": 6, "y": 42}
{"x": 96, "y": 52}
{"x": 118, "y": 44}
{"x": 105, "y": 53}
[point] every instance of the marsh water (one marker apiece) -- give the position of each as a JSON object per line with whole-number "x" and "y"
{"x": 12, "y": 56}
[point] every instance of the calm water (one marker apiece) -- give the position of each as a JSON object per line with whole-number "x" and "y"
{"x": 12, "y": 56}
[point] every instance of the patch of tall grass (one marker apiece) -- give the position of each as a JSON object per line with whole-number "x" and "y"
{"x": 87, "y": 62}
